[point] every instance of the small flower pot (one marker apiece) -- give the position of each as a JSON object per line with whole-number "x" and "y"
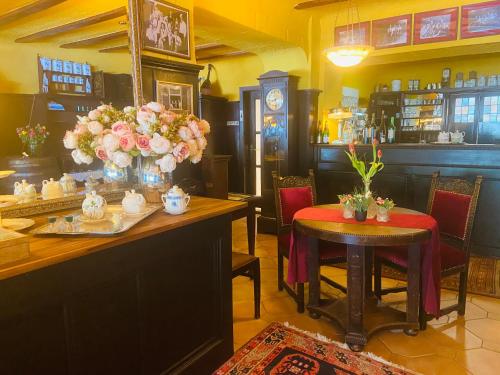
{"x": 383, "y": 215}
{"x": 360, "y": 215}
{"x": 347, "y": 212}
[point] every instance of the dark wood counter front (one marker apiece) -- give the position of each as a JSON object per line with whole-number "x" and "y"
{"x": 156, "y": 299}
{"x": 407, "y": 175}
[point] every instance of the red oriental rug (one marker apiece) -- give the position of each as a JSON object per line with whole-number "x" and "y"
{"x": 282, "y": 350}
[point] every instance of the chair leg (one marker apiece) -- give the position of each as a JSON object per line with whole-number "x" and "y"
{"x": 462, "y": 292}
{"x": 300, "y": 298}
{"x": 377, "y": 273}
{"x": 280, "y": 271}
{"x": 256, "y": 288}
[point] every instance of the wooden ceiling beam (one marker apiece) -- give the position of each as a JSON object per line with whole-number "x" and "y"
{"x": 27, "y": 10}
{"x": 119, "y": 48}
{"x": 96, "y": 39}
{"x": 115, "y": 13}
{"x": 207, "y": 46}
{"x": 228, "y": 54}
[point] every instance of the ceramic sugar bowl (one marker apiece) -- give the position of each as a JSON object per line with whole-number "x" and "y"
{"x": 25, "y": 191}
{"x": 176, "y": 201}
{"x": 444, "y": 137}
{"x": 94, "y": 206}
{"x": 457, "y": 137}
{"x": 133, "y": 203}
{"x": 68, "y": 184}
{"x": 51, "y": 189}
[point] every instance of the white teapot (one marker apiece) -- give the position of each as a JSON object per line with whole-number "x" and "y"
{"x": 94, "y": 206}
{"x": 175, "y": 201}
{"x": 51, "y": 189}
{"x": 133, "y": 203}
{"x": 68, "y": 184}
{"x": 444, "y": 137}
{"x": 24, "y": 191}
{"x": 457, "y": 137}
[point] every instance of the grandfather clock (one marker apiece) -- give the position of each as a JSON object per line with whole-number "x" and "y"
{"x": 278, "y": 138}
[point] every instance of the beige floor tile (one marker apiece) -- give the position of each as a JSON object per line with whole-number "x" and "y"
{"x": 488, "y": 304}
{"x": 480, "y": 361}
{"x": 431, "y": 365}
{"x": 487, "y": 329}
{"x": 452, "y": 336}
{"x": 401, "y": 344}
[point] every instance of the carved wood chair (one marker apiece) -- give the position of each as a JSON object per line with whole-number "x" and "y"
{"x": 248, "y": 265}
{"x": 291, "y": 194}
{"x": 453, "y": 203}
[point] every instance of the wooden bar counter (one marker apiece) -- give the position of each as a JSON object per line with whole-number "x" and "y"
{"x": 156, "y": 299}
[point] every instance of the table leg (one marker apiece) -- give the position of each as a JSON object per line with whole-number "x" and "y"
{"x": 356, "y": 275}
{"x": 314, "y": 277}
{"x": 413, "y": 289}
{"x": 369, "y": 271}
{"x": 251, "y": 229}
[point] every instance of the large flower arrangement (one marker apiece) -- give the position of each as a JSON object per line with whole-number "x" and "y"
{"x": 151, "y": 130}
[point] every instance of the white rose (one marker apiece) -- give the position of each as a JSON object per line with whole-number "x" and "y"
{"x": 121, "y": 159}
{"x": 185, "y": 133}
{"x": 70, "y": 140}
{"x": 104, "y": 107}
{"x": 145, "y": 120}
{"x": 160, "y": 145}
{"x": 95, "y": 127}
{"x": 106, "y": 119}
{"x": 196, "y": 158}
{"x": 167, "y": 163}
{"x": 80, "y": 157}
{"x": 156, "y": 107}
{"x": 128, "y": 109}
{"x": 111, "y": 142}
{"x": 94, "y": 114}
{"x": 202, "y": 143}
{"x": 83, "y": 119}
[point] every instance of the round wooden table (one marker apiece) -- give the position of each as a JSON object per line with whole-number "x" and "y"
{"x": 359, "y": 313}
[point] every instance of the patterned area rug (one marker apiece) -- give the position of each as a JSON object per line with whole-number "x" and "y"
{"x": 282, "y": 350}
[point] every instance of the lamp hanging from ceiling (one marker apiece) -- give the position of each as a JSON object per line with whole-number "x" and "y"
{"x": 353, "y": 49}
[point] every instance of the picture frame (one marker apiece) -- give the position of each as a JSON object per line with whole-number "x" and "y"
{"x": 176, "y": 97}
{"x": 481, "y": 19}
{"x": 392, "y": 32}
{"x": 436, "y": 26}
{"x": 361, "y": 34}
{"x": 165, "y": 28}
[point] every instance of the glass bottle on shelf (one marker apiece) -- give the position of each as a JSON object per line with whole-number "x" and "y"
{"x": 319, "y": 135}
{"x": 326, "y": 133}
{"x": 391, "y": 131}
{"x": 382, "y": 130}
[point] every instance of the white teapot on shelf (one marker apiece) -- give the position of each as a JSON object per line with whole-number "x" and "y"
{"x": 133, "y": 203}
{"x": 176, "y": 201}
{"x": 25, "y": 191}
{"x": 94, "y": 206}
{"x": 444, "y": 137}
{"x": 457, "y": 137}
{"x": 51, "y": 189}
{"x": 68, "y": 184}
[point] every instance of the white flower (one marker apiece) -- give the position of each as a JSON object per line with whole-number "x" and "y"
{"x": 104, "y": 107}
{"x": 167, "y": 163}
{"x": 160, "y": 145}
{"x": 106, "y": 119}
{"x": 80, "y": 157}
{"x": 193, "y": 126}
{"x": 70, "y": 140}
{"x": 156, "y": 107}
{"x": 196, "y": 158}
{"x": 95, "y": 127}
{"x": 202, "y": 143}
{"x": 121, "y": 159}
{"x": 128, "y": 109}
{"x": 145, "y": 118}
{"x": 83, "y": 119}
{"x": 111, "y": 142}
{"x": 94, "y": 114}
{"x": 185, "y": 133}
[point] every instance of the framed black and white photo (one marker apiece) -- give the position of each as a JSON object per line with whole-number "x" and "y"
{"x": 392, "y": 32}
{"x": 480, "y": 19}
{"x": 177, "y": 97}
{"x": 436, "y": 26}
{"x": 165, "y": 28}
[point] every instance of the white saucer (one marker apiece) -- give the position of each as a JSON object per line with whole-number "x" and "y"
{"x": 164, "y": 210}
{"x": 17, "y": 224}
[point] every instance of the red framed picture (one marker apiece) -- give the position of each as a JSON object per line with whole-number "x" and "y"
{"x": 436, "y": 26}
{"x": 360, "y": 34}
{"x": 480, "y": 19}
{"x": 392, "y": 32}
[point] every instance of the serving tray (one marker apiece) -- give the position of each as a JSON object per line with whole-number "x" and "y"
{"x": 106, "y": 227}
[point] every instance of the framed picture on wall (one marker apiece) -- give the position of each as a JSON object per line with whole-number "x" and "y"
{"x": 436, "y": 26}
{"x": 165, "y": 28}
{"x": 361, "y": 33}
{"x": 392, "y": 32}
{"x": 177, "y": 97}
{"x": 480, "y": 19}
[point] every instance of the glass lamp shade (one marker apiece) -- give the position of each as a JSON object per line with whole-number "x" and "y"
{"x": 346, "y": 56}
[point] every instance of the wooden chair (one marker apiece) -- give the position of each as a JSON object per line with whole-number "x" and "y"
{"x": 453, "y": 203}
{"x": 249, "y": 265}
{"x": 291, "y": 194}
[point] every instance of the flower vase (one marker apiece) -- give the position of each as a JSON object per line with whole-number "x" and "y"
{"x": 347, "y": 212}
{"x": 34, "y": 149}
{"x": 113, "y": 175}
{"x": 383, "y": 214}
{"x": 372, "y": 205}
{"x": 360, "y": 215}
{"x": 153, "y": 181}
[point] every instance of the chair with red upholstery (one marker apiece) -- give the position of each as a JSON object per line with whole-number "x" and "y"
{"x": 293, "y": 193}
{"x": 453, "y": 203}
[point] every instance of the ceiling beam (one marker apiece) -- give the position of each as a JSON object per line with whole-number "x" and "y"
{"x": 26, "y": 10}
{"x": 206, "y": 46}
{"x": 228, "y": 54}
{"x": 119, "y": 48}
{"x": 115, "y": 13}
{"x": 96, "y": 39}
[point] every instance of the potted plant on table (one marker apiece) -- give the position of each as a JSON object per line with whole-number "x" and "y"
{"x": 360, "y": 203}
{"x": 346, "y": 201}
{"x": 384, "y": 206}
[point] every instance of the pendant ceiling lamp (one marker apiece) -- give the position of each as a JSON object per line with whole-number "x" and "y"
{"x": 351, "y": 49}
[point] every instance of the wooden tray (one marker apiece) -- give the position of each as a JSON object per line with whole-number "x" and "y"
{"x": 104, "y": 227}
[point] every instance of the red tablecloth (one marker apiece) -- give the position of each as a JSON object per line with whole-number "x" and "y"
{"x": 431, "y": 260}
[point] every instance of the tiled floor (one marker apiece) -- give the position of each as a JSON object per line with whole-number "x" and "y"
{"x": 451, "y": 345}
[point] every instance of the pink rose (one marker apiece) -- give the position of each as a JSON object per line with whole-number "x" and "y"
{"x": 81, "y": 128}
{"x": 204, "y": 126}
{"x": 193, "y": 126}
{"x": 101, "y": 153}
{"x": 94, "y": 114}
{"x": 95, "y": 127}
{"x": 181, "y": 152}
{"x": 185, "y": 133}
{"x": 168, "y": 117}
{"x": 127, "y": 142}
{"x": 156, "y": 107}
{"x": 142, "y": 142}
{"x": 121, "y": 128}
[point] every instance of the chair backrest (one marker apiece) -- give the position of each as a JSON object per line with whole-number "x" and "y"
{"x": 453, "y": 203}
{"x": 292, "y": 193}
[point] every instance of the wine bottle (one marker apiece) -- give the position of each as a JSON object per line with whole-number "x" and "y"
{"x": 326, "y": 133}
{"x": 319, "y": 134}
{"x": 391, "y": 131}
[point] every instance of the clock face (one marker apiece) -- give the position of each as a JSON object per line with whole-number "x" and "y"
{"x": 275, "y": 99}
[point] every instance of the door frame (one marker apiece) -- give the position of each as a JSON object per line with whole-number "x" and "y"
{"x": 245, "y": 96}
